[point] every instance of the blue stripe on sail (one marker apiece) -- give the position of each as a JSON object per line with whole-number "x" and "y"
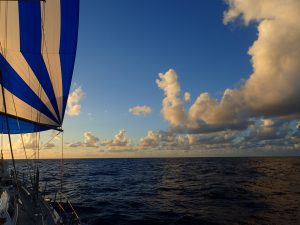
{"x": 30, "y": 42}
{"x": 19, "y": 126}
{"x": 16, "y": 85}
{"x": 68, "y": 43}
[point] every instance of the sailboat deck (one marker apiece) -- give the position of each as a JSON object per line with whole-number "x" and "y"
{"x": 32, "y": 213}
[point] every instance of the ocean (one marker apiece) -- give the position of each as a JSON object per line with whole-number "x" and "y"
{"x": 179, "y": 191}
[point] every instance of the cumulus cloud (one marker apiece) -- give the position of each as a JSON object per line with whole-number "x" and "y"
{"x": 31, "y": 141}
{"x": 273, "y": 88}
{"x": 262, "y": 138}
{"x": 140, "y": 110}
{"x": 152, "y": 139}
{"x": 120, "y": 140}
{"x": 49, "y": 145}
{"x": 187, "y": 96}
{"x": 27, "y": 141}
{"x": 172, "y": 106}
{"x": 76, "y": 144}
{"x": 73, "y": 106}
{"x": 90, "y": 140}
{"x": 171, "y": 141}
{"x": 162, "y": 140}
{"x": 158, "y": 140}
{"x": 120, "y": 143}
{"x": 269, "y": 129}
{"x": 205, "y": 114}
{"x": 257, "y": 117}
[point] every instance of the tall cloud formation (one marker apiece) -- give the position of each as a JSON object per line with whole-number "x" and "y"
{"x": 172, "y": 105}
{"x": 140, "y": 110}
{"x": 73, "y": 106}
{"x": 272, "y": 90}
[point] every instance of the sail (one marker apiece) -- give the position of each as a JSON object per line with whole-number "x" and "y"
{"x": 38, "y": 41}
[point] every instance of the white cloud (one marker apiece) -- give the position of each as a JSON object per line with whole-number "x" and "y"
{"x": 272, "y": 90}
{"x": 73, "y": 106}
{"x": 187, "y": 96}
{"x": 90, "y": 140}
{"x": 152, "y": 139}
{"x": 27, "y": 141}
{"x": 268, "y": 129}
{"x": 31, "y": 141}
{"x": 172, "y": 106}
{"x": 170, "y": 141}
{"x": 274, "y": 86}
{"x": 259, "y": 139}
{"x": 247, "y": 120}
{"x": 76, "y": 144}
{"x": 120, "y": 140}
{"x": 263, "y": 137}
{"x": 49, "y": 145}
{"x": 203, "y": 116}
{"x": 140, "y": 110}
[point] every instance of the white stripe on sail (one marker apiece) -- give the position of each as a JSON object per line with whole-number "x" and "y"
{"x": 24, "y": 110}
{"x": 51, "y": 45}
{"x": 10, "y": 41}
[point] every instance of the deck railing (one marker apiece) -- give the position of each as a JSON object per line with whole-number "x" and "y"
{"x": 59, "y": 202}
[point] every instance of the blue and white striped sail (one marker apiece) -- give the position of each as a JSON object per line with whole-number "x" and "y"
{"x": 38, "y": 41}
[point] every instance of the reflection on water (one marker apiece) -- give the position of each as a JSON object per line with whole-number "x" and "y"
{"x": 181, "y": 191}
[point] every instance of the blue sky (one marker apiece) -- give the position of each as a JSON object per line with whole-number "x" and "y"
{"x": 123, "y": 45}
{"x": 240, "y": 68}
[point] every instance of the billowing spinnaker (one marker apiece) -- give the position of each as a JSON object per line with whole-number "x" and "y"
{"x": 38, "y": 42}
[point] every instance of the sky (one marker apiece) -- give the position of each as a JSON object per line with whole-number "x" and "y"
{"x": 180, "y": 78}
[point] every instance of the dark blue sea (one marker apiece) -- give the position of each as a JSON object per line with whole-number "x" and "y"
{"x": 179, "y": 191}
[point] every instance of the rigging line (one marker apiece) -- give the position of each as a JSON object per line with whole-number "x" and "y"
{"x": 42, "y": 147}
{"x": 8, "y": 132}
{"x": 3, "y": 53}
{"x": 62, "y": 163}
{"x": 38, "y": 129}
{"x": 38, "y": 119}
{"x": 40, "y": 94}
{"x": 38, "y": 145}
{"x": 1, "y": 145}
{"x": 2, "y": 126}
{"x": 22, "y": 138}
